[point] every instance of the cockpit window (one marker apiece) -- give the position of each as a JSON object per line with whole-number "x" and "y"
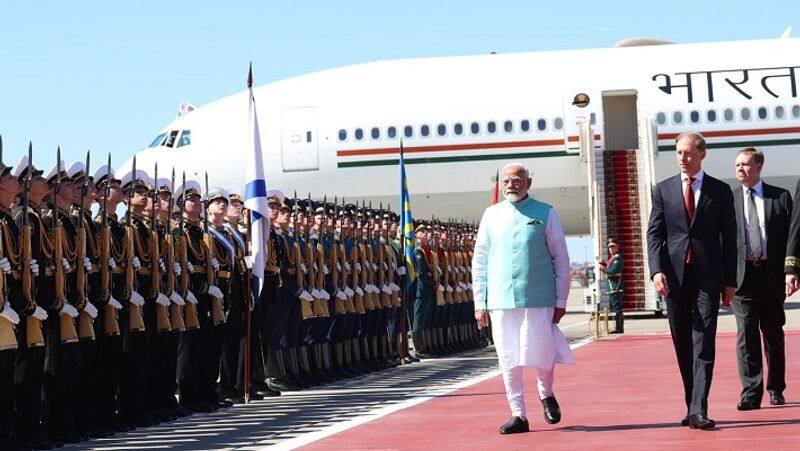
{"x": 170, "y": 142}
{"x": 157, "y": 142}
{"x": 186, "y": 138}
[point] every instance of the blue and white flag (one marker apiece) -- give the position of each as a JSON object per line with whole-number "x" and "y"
{"x": 255, "y": 195}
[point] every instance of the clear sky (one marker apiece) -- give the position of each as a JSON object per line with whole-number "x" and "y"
{"x": 107, "y": 75}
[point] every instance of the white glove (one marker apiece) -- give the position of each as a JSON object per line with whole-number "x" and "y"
{"x": 401, "y": 271}
{"x": 65, "y": 265}
{"x": 87, "y": 264}
{"x": 34, "y": 267}
{"x": 385, "y": 266}
{"x": 386, "y": 289}
{"x": 347, "y": 266}
{"x": 5, "y": 265}
{"x": 39, "y": 313}
{"x": 112, "y": 264}
{"x": 341, "y": 295}
{"x": 215, "y": 263}
{"x": 176, "y": 268}
{"x": 348, "y": 291}
{"x": 114, "y": 303}
{"x": 359, "y": 291}
{"x": 249, "y": 261}
{"x": 162, "y": 265}
{"x": 9, "y": 314}
{"x": 395, "y": 288}
{"x": 469, "y": 286}
{"x": 316, "y": 294}
{"x": 90, "y": 309}
{"x": 306, "y": 296}
{"x": 190, "y": 267}
{"x": 324, "y": 294}
{"x": 177, "y": 299}
{"x": 459, "y": 290}
{"x": 338, "y": 266}
{"x": 162, "y": 299}
{"x": 136, "y": 299}
{"x": 325, "y": 269}
{"x": 358, "y": 266}
{"x": 449, "y": 289}
{"x": 462, "y": 285}
{"x": 68, "y": 309}
{"x": 191, "y": 298}
{"x": 136, "y": 263}
{"x": 316, "y": 268}
{"x": 441, "y": 288}
{"x": 303, "y": 267}
{"x": 374, "y": 266}
{"x": 214, "y": 291}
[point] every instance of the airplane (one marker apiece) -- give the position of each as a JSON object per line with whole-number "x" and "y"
{"x": 338, "y": 131}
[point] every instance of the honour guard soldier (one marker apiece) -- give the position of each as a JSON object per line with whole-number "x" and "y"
{"x": 37, "y": 290}
{"x": 613, "y": 268}
{"x": 424, "y": 293}
{"x": 112, "y": 288}
{"x": 193, "y": 283}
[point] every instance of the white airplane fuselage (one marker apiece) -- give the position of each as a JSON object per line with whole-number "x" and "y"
{"x": 310, "y": 124}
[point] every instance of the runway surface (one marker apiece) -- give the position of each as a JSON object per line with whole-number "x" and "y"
{"x": 622, "y": 393}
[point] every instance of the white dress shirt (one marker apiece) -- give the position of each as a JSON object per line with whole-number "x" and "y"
{"x": 697, "y": 184}
{"x": 758, "y": 196}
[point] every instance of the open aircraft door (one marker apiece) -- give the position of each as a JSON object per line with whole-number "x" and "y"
{"x": 583, "y": 112}
{"x": 299, "y": 150}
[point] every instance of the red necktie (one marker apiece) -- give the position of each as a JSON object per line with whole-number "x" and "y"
{"x": 688, "y": 202}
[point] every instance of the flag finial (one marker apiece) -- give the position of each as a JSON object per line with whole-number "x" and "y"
{"x": 250, "y": 76}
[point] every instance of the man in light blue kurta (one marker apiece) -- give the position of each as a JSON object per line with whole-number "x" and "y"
{"x": 521, "y": 276}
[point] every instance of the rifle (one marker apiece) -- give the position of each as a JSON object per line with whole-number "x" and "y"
{"x": 110, "y": 318}
{"x": 437, "y": 272}
{"x": 136, "y": 321}
{"x": 85, "y": 327}
{"x": 370, "y": 303}
{"x": 68, "y": 333}
{"x": 217, "y": 313}
{"x": 33, "y": 327}
{"x": 392, "y": 269}
{"x": 162, "y": 314}
{"x": 305, "y": 305}
{"x": 191, "y": 320}
{"x": 8, "y": 339}
{"x": 322, "y": 261}
{"x": 382, "y": 278}
{"x": 319, "y": 305}
{"x": 175, "y": 310}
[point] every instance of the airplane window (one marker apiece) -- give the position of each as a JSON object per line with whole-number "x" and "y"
{"x": 186, "y": 138}
{"x": 308, "y": 136}
{"x": 694, "y": 116}
{"x": 359, "y": 134}
{"x": 171, "y": 138}
{"x": 677, "y": 117}
{"x": 441, "y": 129}
{"x": 745, "y": 114}
{"x": 342, "y": 135}
{"x": 458, "y": 129}
{"x": 762, "y": 113}
{"x": 475, "y": 128}
{"x": 491, "y": 127}
{"x": 408, "y": 131}
{"x": 157, "y": 142}
{"x": 525, "y": 125}
{"x": 779, "y": 112}
{"x": 728, "y": 114}
{"x": 508, "y": 126}
{"x": 796, "y": 111}
{"x": 558, "y": 123}
{"x": 391, "y": 132}
{"x": 375, "y": 133}
{"x": 661, "y": 118}
{"x": 593, "y": 118}
{"x": 541, "y": 125}
{"x": 711, "y": 115}
{"x": 425, "y": 130}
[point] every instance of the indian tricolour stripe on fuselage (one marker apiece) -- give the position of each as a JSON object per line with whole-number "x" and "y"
{"x": 337, "y": 131}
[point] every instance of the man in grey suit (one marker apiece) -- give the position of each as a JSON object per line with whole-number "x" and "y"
{"x": 763, "y": 214}
{"x": 691, "y": 241}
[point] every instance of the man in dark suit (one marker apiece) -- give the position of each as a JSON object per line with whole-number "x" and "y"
{"x": 763, "y": 213}
{"x": 691, "y": 241}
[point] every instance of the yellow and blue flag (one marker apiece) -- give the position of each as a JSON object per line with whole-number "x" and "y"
{"x": 406, "y": 222}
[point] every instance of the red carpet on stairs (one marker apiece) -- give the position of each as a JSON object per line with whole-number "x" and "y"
{"x": 622, "y": 394}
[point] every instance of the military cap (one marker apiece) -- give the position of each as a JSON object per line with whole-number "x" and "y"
{"x": 613, "y": 241}
{"x": 235, "y": 193}
{"x": 190, "y": 189}
{"x": 421, "y": 227}
{"x": 274, "y": 195}
{"x": 102, "y": 174}
{"x": 76, "y": 171}
{"x": 52, "y": 176}
{"x": 140, "y": 180}
{"x": 23, "y": 167}
{"x": 164, "y": 185}
{"x": 217, "y": 193}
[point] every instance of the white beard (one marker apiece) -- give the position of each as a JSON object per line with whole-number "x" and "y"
{"x": 513, "y": 198}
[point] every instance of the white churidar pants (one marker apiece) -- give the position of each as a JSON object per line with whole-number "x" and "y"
{"x": 528, "y": 337}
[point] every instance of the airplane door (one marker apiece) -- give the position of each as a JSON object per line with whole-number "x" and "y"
{"x": 581, "y": 106}
{"x": 299, "y": 151}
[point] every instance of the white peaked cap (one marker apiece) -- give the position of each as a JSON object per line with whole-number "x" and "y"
{"x": 191, "y": 185}
{"x": 276, "y": 193}
{"x": 23, "y": 165}
{"x": 54, "y": 171}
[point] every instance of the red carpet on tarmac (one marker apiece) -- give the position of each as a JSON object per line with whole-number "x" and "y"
{"x": 621, "y": 394}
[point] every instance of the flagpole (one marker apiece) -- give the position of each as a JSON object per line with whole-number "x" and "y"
{"x": 404, "y": 281}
